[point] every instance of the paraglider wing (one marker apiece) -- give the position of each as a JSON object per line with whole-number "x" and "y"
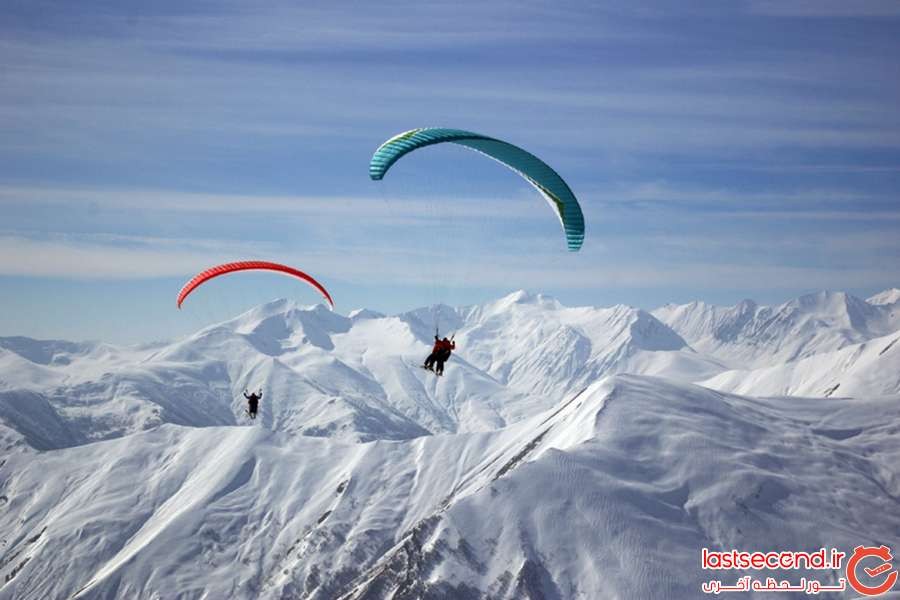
{"x": 249, "y": 265}
{"x": 547, "y": 181}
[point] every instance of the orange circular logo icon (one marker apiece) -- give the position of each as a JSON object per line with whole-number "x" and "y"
{"x": 872, "y": 573}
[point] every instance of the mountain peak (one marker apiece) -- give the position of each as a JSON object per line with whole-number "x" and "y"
{"x": 889, "y": 296}
{"x": 527, "y": 297}
{"x": 361, "y": 314}
{"x": 828, "y": 301}
{"x": 519, "y": 297}
{"x": 284, "y": 307}
{"x": 746, "y": 304}
{"x": 820, "y": 296}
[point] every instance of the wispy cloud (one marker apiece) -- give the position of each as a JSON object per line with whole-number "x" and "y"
{"x": 86, "y": 260}
{"x": 125, "y": 257}
{"x": 825, "y": 8}
{"x": 396, "y": 209}
{"x": 820, "y": 215}
{"x": 812, "y": 198}
{"x": 598, "y": 275}
{"x": 264, "y": 76}
{"x": 395, "y": 204}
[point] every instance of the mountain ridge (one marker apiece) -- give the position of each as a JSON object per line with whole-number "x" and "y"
{"x": 566, "y": 453}
{"x": 356, "y": 377}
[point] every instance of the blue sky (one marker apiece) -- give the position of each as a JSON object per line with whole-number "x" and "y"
{"x": 720, "y": 150}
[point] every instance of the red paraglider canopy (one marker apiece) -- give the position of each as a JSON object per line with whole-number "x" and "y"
{"x": 249, "y": 265}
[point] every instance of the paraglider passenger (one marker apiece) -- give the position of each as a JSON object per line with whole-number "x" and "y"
{"x": 253, "y": 402}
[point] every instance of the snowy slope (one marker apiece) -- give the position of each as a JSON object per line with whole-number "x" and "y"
{"x": 537, "y": 349}
{"x": 534, "y": 344}
{"x": 623, "y": 514}
{"x": 750, "y": 336}
{"x": 610, "y": 494}
{"x": 862, "y": 370}
{"x": 301, "y": 505}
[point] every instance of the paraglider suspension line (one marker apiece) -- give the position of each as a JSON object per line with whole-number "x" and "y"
{"x": 437, "y": 321}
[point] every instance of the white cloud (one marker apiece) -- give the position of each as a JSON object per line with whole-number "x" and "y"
{"x": 662, "y": 192}
{"x": 825, "y": 8}
{"x": 110, "y": 258}
{"x": 123, "y": 257}
{"x": 388, "y": 207}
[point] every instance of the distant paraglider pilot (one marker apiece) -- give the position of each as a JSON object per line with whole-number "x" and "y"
{"x": 443, "y": 355}
{"x": 253, "y": 402}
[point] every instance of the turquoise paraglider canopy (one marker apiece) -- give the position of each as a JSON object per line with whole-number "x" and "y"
{"x": 547, "y": 181}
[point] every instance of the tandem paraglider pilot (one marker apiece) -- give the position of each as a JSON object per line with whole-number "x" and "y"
{"x": 440, "y": 354}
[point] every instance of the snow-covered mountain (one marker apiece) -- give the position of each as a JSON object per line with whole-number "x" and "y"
{"x": 863, "y": 370}
{"x": 356, "y": 377}
{"x": 534, "y": 343}
{"x": 748, "y": 335}
{"x": 611, "y": 494}
{"x": 351, "y": 377}
{"x": 564, "y": 455}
